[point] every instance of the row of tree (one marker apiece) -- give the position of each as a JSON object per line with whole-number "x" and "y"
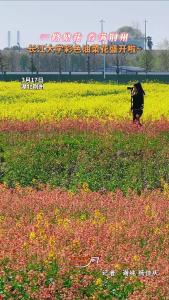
{"x": 17, "y": 59}
{"x": 14, "y": 61}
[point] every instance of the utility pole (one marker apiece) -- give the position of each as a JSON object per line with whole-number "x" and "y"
{"x": 145, "y": 43}
{"x": 145, "y": 35}
{"x": 104, "y": 58}
{"x": 88, "y": 62}
{"x": 32, "y": 65}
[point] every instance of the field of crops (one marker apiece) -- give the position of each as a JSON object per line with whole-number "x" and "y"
{"x": 79, "y": 100}
{"x": 79, "y": 180}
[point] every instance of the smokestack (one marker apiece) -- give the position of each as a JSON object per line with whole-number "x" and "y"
{"x": 9, "y": 39}
{"x": 18, "y": 38}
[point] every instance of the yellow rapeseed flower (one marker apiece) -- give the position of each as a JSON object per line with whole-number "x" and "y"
{"x": 70, "y": 194}
{"x": 98, "y": 105}
{"x": 166, "y": 189}
{"x": 18, "y": 224}
{"x": 57, "y": 211}
{"x": 32, "y": 235}
{"x": 40, "y": 216}
{"x": 64, "y": 221}
{"x": 46, "y": 223}
{"x": 167, "y": 226}
{"x": 85, "y": 187}
{"x": 25, "y": 245}
{"x": 136, "y": 258}
{"x": 99, "y": 218}
{"x": 117, "y": 267}
{"x": 52, "y": 240}
{"x": 149, "y": 212}
{"x": 51, "y": 254}
{"x": 113, "y": 227}
{"x": 76, "y": 244}
{"x": 2, "y": 218}
{"x": 98, "y": 281}
{"x": 17, "y": 186}
{"x": 157, "y": 230}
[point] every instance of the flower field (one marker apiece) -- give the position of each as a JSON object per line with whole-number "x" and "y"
{"x": 84, "y": 193}
{"x": 79, "y": 100}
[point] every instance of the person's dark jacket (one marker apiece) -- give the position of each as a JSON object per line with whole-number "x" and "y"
{"x": 137, "y": 101}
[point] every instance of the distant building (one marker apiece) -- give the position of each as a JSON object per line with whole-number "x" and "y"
{"x": 138, "y": 42}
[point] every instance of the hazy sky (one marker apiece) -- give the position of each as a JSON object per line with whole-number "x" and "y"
{"x": 35, "y": 17}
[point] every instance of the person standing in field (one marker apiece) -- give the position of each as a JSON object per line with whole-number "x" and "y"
{"x": 137, "y": 102}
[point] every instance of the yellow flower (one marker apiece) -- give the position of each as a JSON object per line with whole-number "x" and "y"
{"x": 116, "y": 226}
{"x": 167, "y": 226}
{"x": 25, "y": 245}
{"x": 57, "y": 211}
{"x": 18, "y": 223}
{"x": 40, "y": 216}
{"x": 71, "y": 194}
{"x": 2, "y": 218}
{"x": 85, "y": 187}
{"x": 132, "y": 279}
{"x": 165, "y": 186}
{"x": 136, "y": 258}
{"x": 65, "y": 222}
{"x": 117, "y": 266}
{"x": 51, "y": 254}
{"x": 17, "y": 186}
{"x": 76, "y": 244}
{"x": 157, "y": 230}
{"x": 149, "y": 212}
{"x": 97, "y": 106}
{"x": 32, "y": 235}
{"x": 166, "y": 189}
{"x": 5, "y": 185}
{"x": 60, "y": 221}
{"x": 99, "y": 218}
{"x": 46, "y": 224}
{"x": 34, "y": 181}
{"x": 43, "y": 236}
{"x": 98, "y": 281}
{"x": 75, "y": 241}
{"x": 52, "y": 240}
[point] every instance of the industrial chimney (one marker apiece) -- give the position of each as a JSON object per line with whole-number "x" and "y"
{"x": 18, "y": 37}
{"x": 9, "y": 39}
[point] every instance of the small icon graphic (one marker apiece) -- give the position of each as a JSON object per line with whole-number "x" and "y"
{"x": 81, "y": 262}
{"x": 94, "y": 259}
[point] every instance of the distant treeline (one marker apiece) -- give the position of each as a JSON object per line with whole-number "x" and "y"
{"x": 19, "y": 60}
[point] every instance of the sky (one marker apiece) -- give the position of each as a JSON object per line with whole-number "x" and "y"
{"x": 33, "y": 18}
